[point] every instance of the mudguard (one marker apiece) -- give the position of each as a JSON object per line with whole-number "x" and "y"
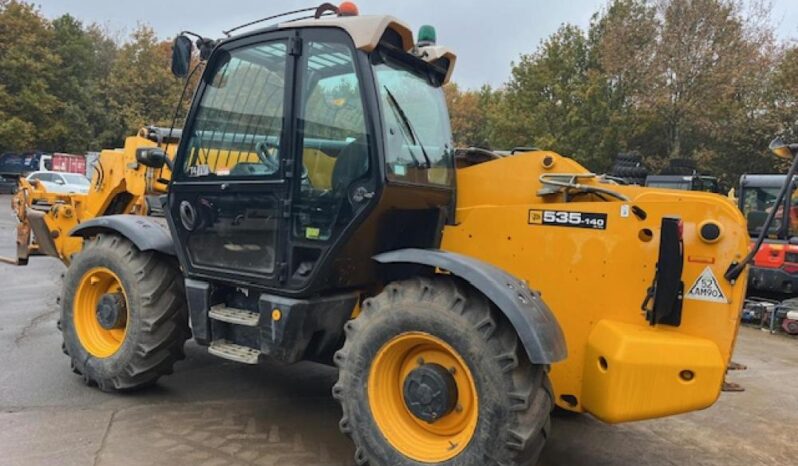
{"x": 535, "y": 324}
{"x": 147, "y": 233}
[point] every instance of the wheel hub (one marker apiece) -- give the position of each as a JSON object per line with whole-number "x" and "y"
{"x": 430, "y": 392}
{"x": 111, "y": 311}
{"x": 413, "y": 402}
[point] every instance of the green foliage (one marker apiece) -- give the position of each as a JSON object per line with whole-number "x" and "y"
{"x": 66, "y": 86}
{"x": 27, "y": 104}
{"x": 699, "y": 79}
{"x": 141, "y": 88}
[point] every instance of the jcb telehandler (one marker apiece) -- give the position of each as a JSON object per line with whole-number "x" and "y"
{"x": 314, "y": 212}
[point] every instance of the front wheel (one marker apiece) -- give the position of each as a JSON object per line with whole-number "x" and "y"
{"x": 432, "y": 372}
{"x": 124, "y": 316}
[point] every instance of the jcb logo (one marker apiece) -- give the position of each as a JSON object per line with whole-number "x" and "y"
{"x": 536, "y": 217}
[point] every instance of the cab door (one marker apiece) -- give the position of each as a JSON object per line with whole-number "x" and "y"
{"x": 229, "y": 196}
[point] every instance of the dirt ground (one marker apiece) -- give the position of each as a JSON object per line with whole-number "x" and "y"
{"x": 216, "y": 412}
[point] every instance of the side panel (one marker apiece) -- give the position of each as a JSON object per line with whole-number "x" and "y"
{"x": 602, "y": 273}
{"x": 533, "y": 321}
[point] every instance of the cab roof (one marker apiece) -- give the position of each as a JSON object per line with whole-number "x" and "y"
{"x": 366, "y": 31}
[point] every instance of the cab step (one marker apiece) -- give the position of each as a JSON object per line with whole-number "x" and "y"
{"x": 232, "y": 315}
{"x": 239, "y": 353}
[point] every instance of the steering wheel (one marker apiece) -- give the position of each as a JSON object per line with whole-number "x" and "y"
{"x": 271, "y": 161}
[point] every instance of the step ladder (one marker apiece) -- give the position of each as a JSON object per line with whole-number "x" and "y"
{"x": 229, "y": 350}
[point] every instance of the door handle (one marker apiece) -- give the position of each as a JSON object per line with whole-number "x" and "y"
{"x": 361, "y": 194}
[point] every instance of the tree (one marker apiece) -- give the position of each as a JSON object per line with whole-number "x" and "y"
{"x": 74, "y": 83}
{"x": 469, "y": 112}
{"x": 27, "y": 105}
{"x": 140, "y": 87}
{"x": 671, "y": 78}
{"x": 556, "y": 99}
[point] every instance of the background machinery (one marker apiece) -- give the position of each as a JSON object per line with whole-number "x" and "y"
{"x": 774, "y": 272}
{"x": 312, "y": 211}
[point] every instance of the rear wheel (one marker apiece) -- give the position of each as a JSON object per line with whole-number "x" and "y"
{"x": 431, "y": 372}
{"x": 124, "y": 317}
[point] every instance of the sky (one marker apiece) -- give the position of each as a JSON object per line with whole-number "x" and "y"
{"x": 486, "y": 35}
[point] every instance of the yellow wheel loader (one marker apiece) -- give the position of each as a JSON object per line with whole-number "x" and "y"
{"x": 313, "y": 210}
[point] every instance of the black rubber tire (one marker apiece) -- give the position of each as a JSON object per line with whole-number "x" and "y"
{"x": 683, "y": 163}
{"x": 515, "y": 396}
{"x": 157, "y": 326}
{"x": 629, "y": 157}
{"x": 678, "y": 171}
{"x": 625, "y": 163}
{"x": 630, "y": 172}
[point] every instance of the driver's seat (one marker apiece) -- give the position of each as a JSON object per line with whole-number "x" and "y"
{"x": 351, "y": 164}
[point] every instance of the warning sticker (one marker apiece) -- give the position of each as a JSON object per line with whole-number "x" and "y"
{"x": 707, "y": 288}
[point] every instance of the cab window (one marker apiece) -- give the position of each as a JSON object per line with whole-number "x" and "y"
{"x": 418, "y": 137}
{"x": 335, "y": 149}
{"x": 239, "y": 121}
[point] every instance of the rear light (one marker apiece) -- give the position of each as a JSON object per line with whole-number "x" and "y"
{"x": 681, "y": 229}
{"x": 709, "y": 231}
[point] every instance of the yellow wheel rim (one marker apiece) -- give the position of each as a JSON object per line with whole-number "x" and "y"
{"x": 97, "y": 340}
{"x": 426, "y": 442}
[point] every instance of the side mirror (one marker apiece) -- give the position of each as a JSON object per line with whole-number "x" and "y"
{"x": 181, "y": 56}
{"x": 153, "y": 157}
{"x": 782, "y": 149}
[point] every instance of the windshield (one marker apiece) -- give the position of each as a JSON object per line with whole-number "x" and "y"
{"x": 418, "y": 136}
{"x": 76, "y": 179}
{"x": 758, "y": 202}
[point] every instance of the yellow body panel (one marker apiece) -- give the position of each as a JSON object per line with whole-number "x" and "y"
{"x": 588, "y": 277}
{"x": 634, "y": 372}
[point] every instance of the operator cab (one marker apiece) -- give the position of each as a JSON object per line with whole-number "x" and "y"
{"x": 775, "y": 265}
{"x": 311, "y": 146}
{"x": 757, "y": 197}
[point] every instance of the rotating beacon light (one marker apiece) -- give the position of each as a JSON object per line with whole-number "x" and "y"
{"x": 348, "y": 9}
{"x": 426, "y": 36}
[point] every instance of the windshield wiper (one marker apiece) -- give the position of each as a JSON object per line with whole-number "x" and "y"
{"x": 410, "y": 131}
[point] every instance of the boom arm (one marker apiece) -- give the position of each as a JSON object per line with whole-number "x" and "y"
{"x": 119, "y": 185}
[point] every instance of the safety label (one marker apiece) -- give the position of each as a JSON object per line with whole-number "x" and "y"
{"x": 562, "y": 218}
{"x": 707, "y": 288}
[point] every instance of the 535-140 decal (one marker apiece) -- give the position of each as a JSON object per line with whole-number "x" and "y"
{"x": 563, "y": 218}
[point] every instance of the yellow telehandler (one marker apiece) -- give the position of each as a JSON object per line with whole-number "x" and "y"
{"x": 313, "y": 210}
